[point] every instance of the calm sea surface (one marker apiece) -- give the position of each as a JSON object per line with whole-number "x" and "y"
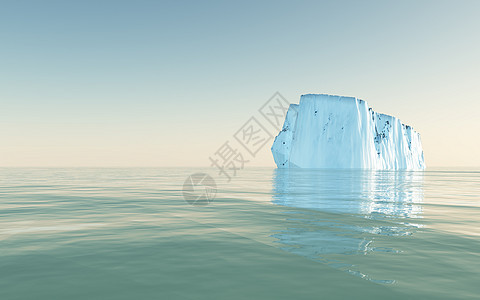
{"x": 269, "y": 234}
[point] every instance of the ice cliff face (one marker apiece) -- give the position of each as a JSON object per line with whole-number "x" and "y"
{"x": 325, "y": 131}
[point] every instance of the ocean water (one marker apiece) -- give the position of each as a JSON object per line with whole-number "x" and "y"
{"x": 268, "y": 234}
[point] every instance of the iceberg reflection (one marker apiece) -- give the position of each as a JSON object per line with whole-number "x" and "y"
{"x": 341, "y": 211}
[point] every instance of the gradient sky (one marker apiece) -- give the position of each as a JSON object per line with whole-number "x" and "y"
{"x": 165, "y": 83}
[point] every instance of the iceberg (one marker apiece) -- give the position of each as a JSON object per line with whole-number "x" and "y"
{"x": 327, "y": 131}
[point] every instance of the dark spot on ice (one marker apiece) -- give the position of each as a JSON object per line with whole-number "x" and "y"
{"x": 284, "y": 143}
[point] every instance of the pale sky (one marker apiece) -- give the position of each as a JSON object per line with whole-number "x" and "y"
{"x": 152, "y": 83}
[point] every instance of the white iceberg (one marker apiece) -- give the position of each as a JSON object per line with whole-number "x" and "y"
{"x": 326, "y": 131}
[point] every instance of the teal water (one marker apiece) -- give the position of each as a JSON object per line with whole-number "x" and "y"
{"x": 269, "y": 234}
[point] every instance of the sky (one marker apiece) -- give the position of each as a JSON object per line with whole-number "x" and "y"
{"x": 166, "y": 83}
